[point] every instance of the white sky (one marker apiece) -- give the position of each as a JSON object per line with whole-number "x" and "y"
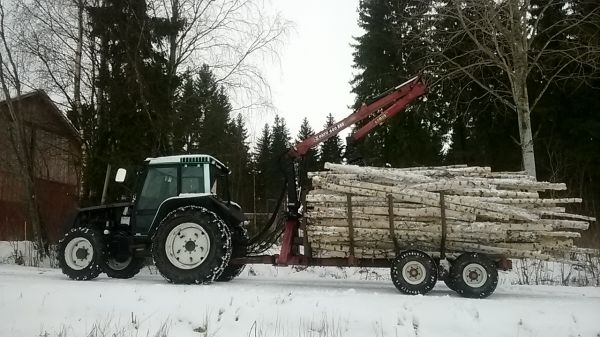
{"x": 312, "y": 77}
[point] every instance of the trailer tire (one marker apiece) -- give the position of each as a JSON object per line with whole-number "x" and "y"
{"x": 450, "y": 283}
{"x": 414, "y": 272}
{"x": 122, "y": 269}
{"x": 474, "y": 275}
{"x": 240, "y": 240}
{"x": 191, "y": 245}
{"x": 80, "y": 254}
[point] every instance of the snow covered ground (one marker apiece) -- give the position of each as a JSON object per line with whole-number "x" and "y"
{"x": 267, "y": 301}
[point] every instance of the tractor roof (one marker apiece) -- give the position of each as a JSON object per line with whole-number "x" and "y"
{"x": 188, "y": 159}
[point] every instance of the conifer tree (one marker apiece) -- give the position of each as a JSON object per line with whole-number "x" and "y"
{"x": 239, "y": 163}
{"x": 310, "y": 161}
{"x": 387, "y": 54}
{"x": 133, "y": 114}
{"x": 280, "y": 144}
{"x": 331, "y": 149}
{"x": 262, "y": 166}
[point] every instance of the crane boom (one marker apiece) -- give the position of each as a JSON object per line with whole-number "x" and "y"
{"x": 392, "y": 102}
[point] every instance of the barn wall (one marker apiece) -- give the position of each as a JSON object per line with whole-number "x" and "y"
{"x": 58, "y": 169}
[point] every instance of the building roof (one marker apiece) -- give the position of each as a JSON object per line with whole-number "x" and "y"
{"x": 61, "y": 117}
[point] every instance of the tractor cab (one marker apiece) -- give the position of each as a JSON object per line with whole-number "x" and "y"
{"x": 166, "y": 179}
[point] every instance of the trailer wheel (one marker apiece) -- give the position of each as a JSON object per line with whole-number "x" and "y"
{"x": 191, "y": 245}
{"x": 474, "y": 275}
{"x": 414, "y": 272}
{"x": 449, "y": 277}
{"x": 240, "y": 241}
{"x": 80, "y": 253}
{"x": 122, "y": 268}
{"x": 450, "y": 283}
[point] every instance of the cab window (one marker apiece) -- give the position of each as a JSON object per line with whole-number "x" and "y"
{"x": 160, "y": 184}
{"x": 192, "y": 179}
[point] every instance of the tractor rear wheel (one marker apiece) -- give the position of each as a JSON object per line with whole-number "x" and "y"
{"x": 473, "y": 275}
{"x": 191, "y": 245}
{"x": 414, "y": 272}
{"x": 240, "y": 241}
{"x": 80, "y": 253}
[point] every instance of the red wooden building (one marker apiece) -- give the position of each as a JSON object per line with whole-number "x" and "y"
{"x": 57, "y": 151}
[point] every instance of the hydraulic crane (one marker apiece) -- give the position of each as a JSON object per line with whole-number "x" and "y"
{"x": 384, "y": 106}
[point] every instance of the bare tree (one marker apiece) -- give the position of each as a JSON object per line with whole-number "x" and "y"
{"x": 21, "y": 136}
{"x": 228, "y": 35}
{"x": 510, "y": 50}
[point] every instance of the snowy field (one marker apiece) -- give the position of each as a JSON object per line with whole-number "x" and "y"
{"x": 267, "y": 301}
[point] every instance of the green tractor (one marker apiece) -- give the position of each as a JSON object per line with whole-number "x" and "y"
{"x": 181, "y": 216}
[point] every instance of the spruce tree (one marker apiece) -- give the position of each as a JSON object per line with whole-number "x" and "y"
{"x": 389, "y": 52}
{"x": 187, "y": 123}
{"x": 262, "y": 166}
{"x": 215, "y": 110}
{"x": 133, "y": 115}
{"x": 280, "y": 144}
{"x": 240, "y": 163}
{"x": 310, "y": 161}
{"x": 331, "y": 149}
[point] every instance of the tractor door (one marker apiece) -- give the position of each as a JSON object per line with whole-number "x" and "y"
{"x": 160, "y": 184}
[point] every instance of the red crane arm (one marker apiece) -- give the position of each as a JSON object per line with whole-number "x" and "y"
{"x": 393, "y": 103}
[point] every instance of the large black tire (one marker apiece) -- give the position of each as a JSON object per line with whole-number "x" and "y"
{"x": 240, "y": 242}
{"x": 473, "y": 275}
{"x": 191, "y": 245}
{"x": 450, "y": 283}
{"x": 122, "y": 269}
{"x": 80, "y": 254}
{"x": 414, "y": 272}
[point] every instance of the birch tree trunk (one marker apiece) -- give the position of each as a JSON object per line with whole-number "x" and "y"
{"x": 519, "y": 82}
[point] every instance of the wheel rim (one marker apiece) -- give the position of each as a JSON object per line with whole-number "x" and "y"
{"x": 118, "y": 265}
{"x": 474, "y": 275}
{"x": 79, "y": 253}
{"x": 414, "y": 272}
{"x": 187, "y": 245}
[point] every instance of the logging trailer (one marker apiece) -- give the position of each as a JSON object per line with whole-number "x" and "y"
{"x": 182, "y": 217}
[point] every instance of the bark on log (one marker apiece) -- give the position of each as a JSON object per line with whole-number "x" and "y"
{"x": 497, "y": 213}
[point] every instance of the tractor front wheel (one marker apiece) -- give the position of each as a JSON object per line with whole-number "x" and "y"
{"x": 80, "y": 253}
{"x": 191, "y": 245}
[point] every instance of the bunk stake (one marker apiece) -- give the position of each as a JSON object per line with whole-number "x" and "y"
{"x": 443, "y": 216}
{"x": 350, "y": 229}
{"x": 390, "y": 199}
{"x": 305, "y": 242}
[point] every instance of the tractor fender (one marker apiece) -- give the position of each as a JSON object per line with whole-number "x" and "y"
{"x": 97, "y": 217}
{"x": 231, "y": 214}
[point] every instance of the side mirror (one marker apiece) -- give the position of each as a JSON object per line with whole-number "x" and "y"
{"x": 121, "y": 174}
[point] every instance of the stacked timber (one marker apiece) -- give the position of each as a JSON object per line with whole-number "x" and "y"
{"x": 371, "y": 212}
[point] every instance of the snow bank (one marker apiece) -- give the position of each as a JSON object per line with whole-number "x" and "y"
{"x": 267, "y": 301}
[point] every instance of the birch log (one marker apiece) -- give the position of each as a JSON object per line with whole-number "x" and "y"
{"x": 496, "y": 213}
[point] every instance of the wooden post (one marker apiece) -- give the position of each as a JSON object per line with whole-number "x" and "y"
{"x": 443, "y": 216}
{"x": 350, "y": 229}
{"x": 305, "y": 242}
{"x": 391, "y": 223}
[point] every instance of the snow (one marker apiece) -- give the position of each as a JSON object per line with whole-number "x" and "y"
{"x": 269, "y": 301}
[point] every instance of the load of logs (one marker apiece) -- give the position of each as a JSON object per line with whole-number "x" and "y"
{"x": 372, "y": 212}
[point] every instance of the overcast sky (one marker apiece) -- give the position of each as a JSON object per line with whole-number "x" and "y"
{"x": 312, "y": 77}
